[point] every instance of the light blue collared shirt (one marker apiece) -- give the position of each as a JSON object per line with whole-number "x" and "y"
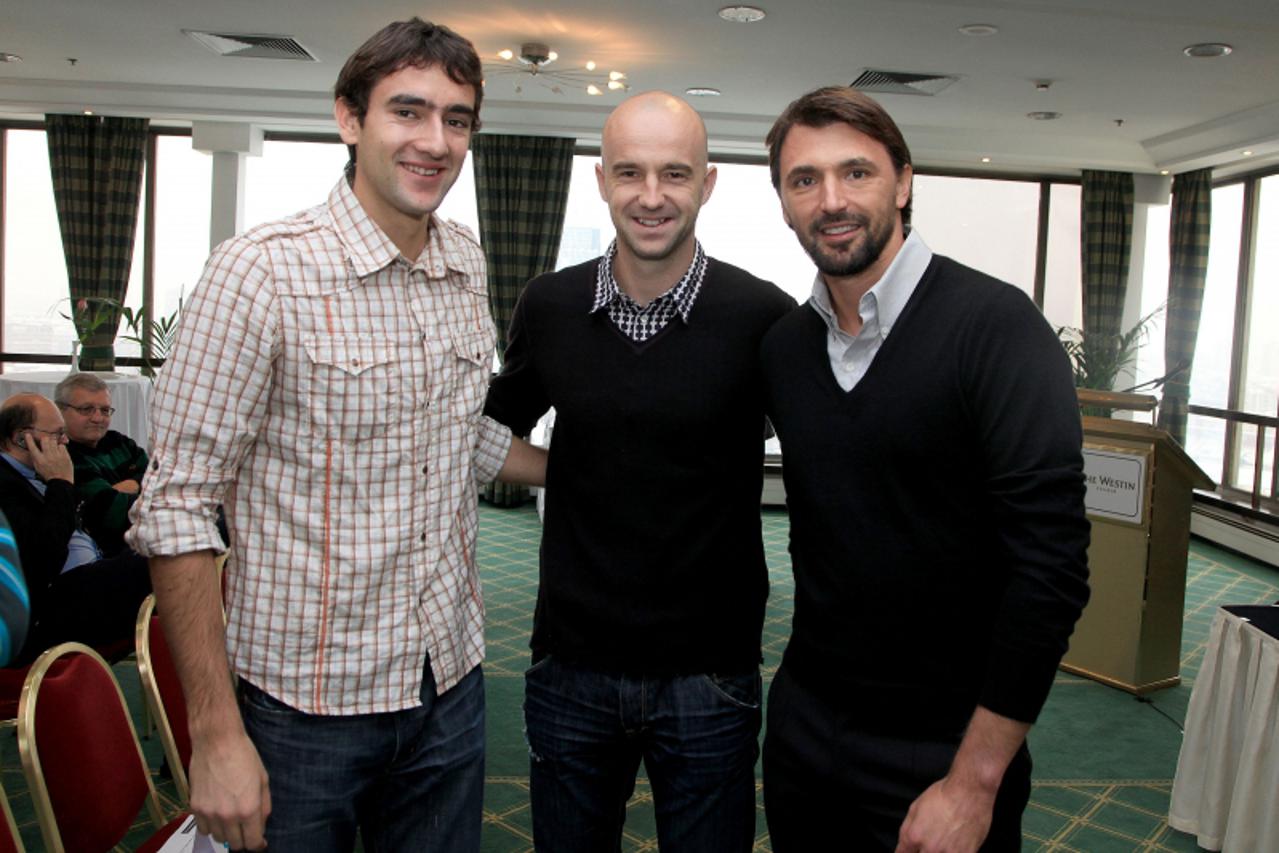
{"x": 81, "y": 548}
{"x": 851, "y": 355}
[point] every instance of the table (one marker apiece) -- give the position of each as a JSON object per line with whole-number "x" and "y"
{"x": 130, "y": 395}
{"x": 1228, "y": 771}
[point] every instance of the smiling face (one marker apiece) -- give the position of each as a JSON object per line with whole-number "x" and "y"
{"x": 412, "y": 143}
{"x": 654, "y": 176}
{"x": 87, "y": 429}
{"x": 842, "y": 197}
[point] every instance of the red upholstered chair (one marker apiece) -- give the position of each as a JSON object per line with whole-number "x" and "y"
{"x": 163, "y": 693}
{"x": 84, "y": 766}
{"x": 10, "y": 840}
{"x": 13, "y": 677}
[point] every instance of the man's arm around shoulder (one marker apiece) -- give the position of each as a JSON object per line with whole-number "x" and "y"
{"x": 229, "y": 793}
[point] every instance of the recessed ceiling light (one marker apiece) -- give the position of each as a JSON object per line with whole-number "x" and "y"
{"x": 702, "y": 91}
{"x": 1043, "y": 115}
{"x": 985, "y": 159}
{"x": 1164, "y": 172}
{"x": 9, "y": 57}
{"x": 1208, "y": 50}
{"x": 590, "y": 65}
{"x": 742, "y": 14}
{"x": 979, "y": 29}
{"x": 1247, "y": 152}
{"x": 88, "y": 112}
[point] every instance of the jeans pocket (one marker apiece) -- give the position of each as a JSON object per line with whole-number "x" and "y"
{"x": 743, "y": 690}
{"x": 538, "y": 665}
{"x": 257, "y": 700}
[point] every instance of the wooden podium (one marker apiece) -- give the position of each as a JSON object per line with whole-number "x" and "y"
{"x": 1139, "y": 498}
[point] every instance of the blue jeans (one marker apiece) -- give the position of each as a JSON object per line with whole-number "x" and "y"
{"x": 411, "y": 780}
{"x": 588, "y": 730}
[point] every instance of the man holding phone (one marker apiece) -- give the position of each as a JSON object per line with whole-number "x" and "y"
{"x": 75, "y": 593}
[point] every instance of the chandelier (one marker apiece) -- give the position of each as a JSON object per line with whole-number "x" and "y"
{"x": 530, "y": 66}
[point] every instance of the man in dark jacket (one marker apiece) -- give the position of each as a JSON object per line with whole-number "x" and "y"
{"x": 931, "y": 454}
{"x": 75, "y": 593}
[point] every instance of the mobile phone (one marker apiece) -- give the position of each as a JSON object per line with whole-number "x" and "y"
{"x": 21, "y": 440}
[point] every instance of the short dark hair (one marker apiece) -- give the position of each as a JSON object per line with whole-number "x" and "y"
{"x": 840, "y": 104}
{"x": 17, "y": 413}
{"x": 401, "y": 44}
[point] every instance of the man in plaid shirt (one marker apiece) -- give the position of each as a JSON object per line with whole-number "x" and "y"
{"x": 327, "y": 388}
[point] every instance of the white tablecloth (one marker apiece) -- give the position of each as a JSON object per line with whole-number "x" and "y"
{"x": 130, "y": 395}
{"x": 1226, "y": 790}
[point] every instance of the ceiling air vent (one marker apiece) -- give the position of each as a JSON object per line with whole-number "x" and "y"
{"x": 252, "y": 46}
{"x": 901, "y": 83}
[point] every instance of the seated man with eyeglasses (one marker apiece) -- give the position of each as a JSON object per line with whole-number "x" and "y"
{"x": 76, "y": 592}
{"x": 108, "y": 464}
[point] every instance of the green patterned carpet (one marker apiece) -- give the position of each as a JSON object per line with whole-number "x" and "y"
{"x": 1104, "y": 760}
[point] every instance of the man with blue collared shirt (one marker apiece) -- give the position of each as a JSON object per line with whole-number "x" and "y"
{"x": 931, "y": 455}
{"x": 75, "y": 594}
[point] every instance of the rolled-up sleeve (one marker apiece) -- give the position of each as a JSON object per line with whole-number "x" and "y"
{"x": 492, "y": 444}
{"x": 209, "y": 403}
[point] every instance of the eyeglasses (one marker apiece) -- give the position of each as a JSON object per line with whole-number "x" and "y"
{"x": 59, "y": 434}
{"x": 87, "y": 411}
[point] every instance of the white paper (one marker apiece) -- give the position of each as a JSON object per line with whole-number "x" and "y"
{"x": 188, "y": 839}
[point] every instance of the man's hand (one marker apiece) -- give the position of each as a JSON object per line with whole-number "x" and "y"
{"x": 128, "y": 487}
{"x": 953, "y": 815}
{"x": 229, "y": 794}
{"x": 949, "y": 817}
{"x": 50, "y": 458}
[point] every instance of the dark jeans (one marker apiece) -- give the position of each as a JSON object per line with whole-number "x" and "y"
{"x": 825, "y": 778}
{"x": 409, "y": 780}
{"x": 588, "y": 731}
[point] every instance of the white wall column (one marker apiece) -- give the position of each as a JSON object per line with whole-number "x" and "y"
{"x": 228, "y": 143}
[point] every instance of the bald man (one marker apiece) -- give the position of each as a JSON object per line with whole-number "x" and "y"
{"x": 75, "y": 593}
{"x": 646, "y": 638}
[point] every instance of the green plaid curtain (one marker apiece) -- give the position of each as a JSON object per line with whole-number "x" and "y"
{"x": 1187, "y": 271}
{"x": 96, "y": 163}
{"x": 1105, "y": 244}
{"x": 521, "y": 186}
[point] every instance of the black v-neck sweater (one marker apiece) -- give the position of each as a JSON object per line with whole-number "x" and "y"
{"x": 652, "y": 559}
{"x": 937, "y": 520}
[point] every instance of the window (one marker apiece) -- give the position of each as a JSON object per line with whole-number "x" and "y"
{"x": 35, "y": 274}
{"x": 183, "y": 199}
{"x": 1063, "y": 281}
{"x": 988, "y": 224}
{"x": 1259, "y": 387}
{"x": 1210, "y": 376}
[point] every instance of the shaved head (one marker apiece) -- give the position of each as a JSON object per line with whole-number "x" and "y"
{"x": 655, "y": 176}
{"x": 661, "y": 113}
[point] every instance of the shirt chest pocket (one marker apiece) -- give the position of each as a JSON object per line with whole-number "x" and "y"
{"x": 471, "y": 356}
{"x": 351, "y": 386}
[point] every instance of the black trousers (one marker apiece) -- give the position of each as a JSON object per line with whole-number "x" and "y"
{"x": 97, "y": 603}
{"x": 831, "y": 785}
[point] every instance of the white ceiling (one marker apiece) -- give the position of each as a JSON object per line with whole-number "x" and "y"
{"x": 1108, "y": 60}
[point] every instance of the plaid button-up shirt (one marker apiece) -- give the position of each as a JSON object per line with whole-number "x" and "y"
{"x": 328, "y": 391}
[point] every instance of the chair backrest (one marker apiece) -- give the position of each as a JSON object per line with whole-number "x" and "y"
{"x": 163, "y": 693}
{"x": 84, "y": 766}
{"x": 10, "y": 840}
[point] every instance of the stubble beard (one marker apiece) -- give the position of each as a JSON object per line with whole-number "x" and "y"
{"x": 866, "y": 253}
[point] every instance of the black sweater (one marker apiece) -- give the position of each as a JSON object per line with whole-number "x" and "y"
{"x": 652, "y": 559}
{"x": 937, "y": 518}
